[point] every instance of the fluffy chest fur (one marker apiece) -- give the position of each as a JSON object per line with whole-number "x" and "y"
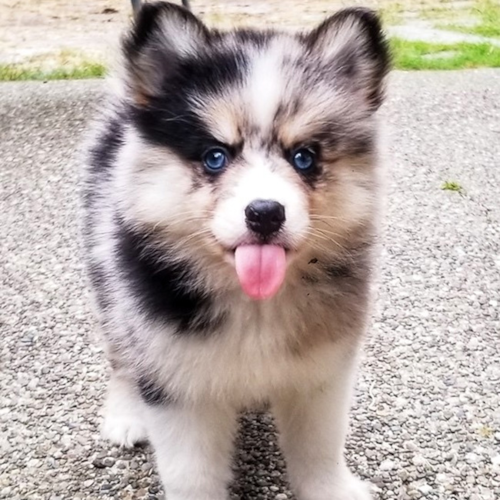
{"x": 255, "y": 350}
{"x": 187, "y": 327}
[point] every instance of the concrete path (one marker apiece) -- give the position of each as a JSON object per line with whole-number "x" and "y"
{"x": 427, "y": 419}
{"x": 425, "y": 31}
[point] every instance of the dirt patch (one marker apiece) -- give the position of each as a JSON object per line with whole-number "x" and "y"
{"x": 41, "y": 28}
{"x": 31, "y": 28}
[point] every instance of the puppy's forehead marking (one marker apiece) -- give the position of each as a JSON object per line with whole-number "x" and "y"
{"x": 266, "y": 85}
{"x": 240, "y": 111}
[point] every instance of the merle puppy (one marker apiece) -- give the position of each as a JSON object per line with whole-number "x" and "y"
{"x": 231, "y": 205}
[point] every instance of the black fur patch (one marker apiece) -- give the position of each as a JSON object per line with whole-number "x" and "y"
{"x": 166, "y": 115}
{"x": 357, "y": 269}
{"x": 153, "y": 394}
{"x": 258, "y": 39}
{"x": 101, "y": 156}
{"x": 97, "y": 277}
{"x": 100, "y": 164}
{"x": 104, "y": 152}
{"x": 164, "y": 290}
{"x": 340, "y": 271}
{"x": 169, "y": 118}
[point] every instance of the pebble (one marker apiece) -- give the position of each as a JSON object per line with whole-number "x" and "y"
{"x": 387, "y": 465}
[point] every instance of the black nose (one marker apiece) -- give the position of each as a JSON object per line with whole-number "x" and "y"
{"x": 265, "y": 216}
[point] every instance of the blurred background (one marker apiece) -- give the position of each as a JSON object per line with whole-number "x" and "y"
{"x": 54, "y": 39}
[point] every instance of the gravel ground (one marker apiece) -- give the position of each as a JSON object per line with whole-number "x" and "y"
{"x": 427, "y": 419}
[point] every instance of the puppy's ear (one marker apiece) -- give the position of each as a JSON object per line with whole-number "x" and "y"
{"x": 162, "y": 36}
{"x": 353, "y": 48}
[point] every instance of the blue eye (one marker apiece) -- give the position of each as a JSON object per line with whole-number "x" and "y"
{"x": 303, "y": 159}
{"x": 215, "y": 159}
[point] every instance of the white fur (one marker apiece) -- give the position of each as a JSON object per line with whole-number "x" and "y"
{"x": 317, "y": 420}
{"x": 146, "y": 192}
{"x": 123, "y": 421}
{"x": 193, "y": 449}
{"x": 260, "y": 181}
{"x": 266, "y": 86}
{"x": 248, "y": 362}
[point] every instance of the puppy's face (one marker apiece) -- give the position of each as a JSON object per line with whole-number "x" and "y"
{"x": 252, "y": 140}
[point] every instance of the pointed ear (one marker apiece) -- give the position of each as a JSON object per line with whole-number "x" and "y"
{"x": 162, "y": 36}
{"x": 354, "y": 49}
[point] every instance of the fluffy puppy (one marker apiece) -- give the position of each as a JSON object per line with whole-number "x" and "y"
{"x": 230, "y": 212}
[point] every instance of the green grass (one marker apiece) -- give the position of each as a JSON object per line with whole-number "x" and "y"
{"x": 416, "y": 55}
{"x": 65, "y": 64}
{"x": 488, "y": 14}
{"x": 88, "y": 69}
{"x": 408, "y": 55}
{"x": 452, "y": 186}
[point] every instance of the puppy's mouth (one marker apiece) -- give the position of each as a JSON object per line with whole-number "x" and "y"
{"x": 260, "y": 268}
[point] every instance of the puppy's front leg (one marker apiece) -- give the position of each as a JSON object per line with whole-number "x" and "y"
{"x": 193, "y": 446}
{"x": 313, "y": 428}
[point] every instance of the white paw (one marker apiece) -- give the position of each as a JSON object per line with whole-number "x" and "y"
{"x": 125, "y": 429}
{"x": 349, "y": 487}
{"x": 342, "y": 485}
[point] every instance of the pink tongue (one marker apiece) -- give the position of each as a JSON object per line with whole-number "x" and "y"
{"x": 261, "y": 269}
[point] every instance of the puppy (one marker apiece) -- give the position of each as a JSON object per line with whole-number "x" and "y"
{"x": 231, "y": 202}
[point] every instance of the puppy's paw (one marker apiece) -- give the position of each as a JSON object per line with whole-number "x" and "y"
{"x": 349, "y": 487}
{"x": 124, "y": 429}
{"x": 341, "y": 485}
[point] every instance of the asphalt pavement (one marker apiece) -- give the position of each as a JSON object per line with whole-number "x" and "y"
{"x": 426, "y": 423}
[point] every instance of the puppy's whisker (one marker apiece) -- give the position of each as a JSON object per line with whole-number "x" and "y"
{"x": 330, "y": 235}
{"x": 193, "y": 236}
{"x": 315, "y": 236}
{"x": 315, "y": 216}
{"x": 325, "y": 237}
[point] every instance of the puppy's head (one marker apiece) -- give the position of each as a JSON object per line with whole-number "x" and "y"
{"x": 252, "y": 148}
